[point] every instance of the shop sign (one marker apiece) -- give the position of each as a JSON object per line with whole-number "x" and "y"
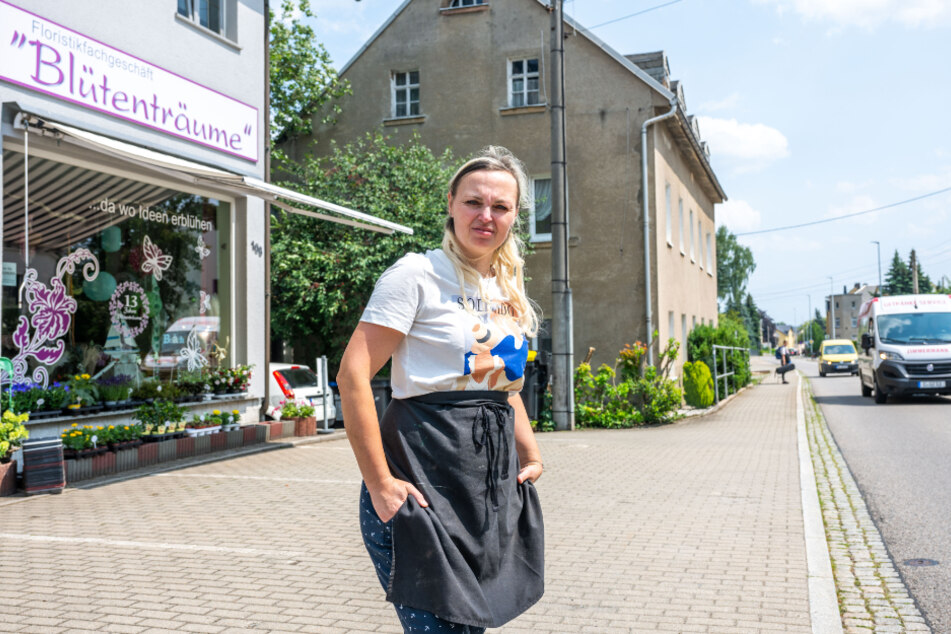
{"x": 46, "y": 57}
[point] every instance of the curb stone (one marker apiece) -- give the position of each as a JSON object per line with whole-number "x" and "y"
{"x": 871, "y": 594}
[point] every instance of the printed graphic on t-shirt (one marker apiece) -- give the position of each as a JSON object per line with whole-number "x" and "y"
{"x": 497, "y": 350}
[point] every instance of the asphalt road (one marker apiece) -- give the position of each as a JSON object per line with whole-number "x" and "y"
{"x": 900, "y": 455}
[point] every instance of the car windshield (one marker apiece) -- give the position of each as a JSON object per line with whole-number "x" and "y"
{"x": 299, "y": 377}
{"x": 915, "y": 328}
{"x": 839, "y": 348}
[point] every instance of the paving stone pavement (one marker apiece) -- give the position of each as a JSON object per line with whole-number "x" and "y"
{"x": 691, "y": 527}
{"x": 872, "y": 596}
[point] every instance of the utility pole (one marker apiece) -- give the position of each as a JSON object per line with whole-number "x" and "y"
{"x": 832, "y": 307}
{"x": 878, "y": 246}
{"x": 914, "y": 272}
{"x": 810, "y": 321}
{"x": 562, "y": 376}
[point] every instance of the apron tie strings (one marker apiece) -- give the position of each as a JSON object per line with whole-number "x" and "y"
{"x": 483, "y": 437}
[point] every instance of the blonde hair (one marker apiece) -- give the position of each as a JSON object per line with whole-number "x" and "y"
{"x": 507, "y": 261}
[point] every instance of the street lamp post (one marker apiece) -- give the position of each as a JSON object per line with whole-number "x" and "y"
{"x": 878, "y": 247}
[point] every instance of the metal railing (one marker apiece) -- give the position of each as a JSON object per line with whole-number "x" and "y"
{"x": 726, "y": 375}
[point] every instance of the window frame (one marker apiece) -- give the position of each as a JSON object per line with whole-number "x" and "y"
{"x": 670, "y": 219}
{"x": 462, "y": 4}
{"x": 680, "y": 209}
{"x": 709, "y": 256}
{"x": 227, "y": 12}
{"x": 534, "y": 236}
{"x": 510, "y": 76}
{"x": 407, "y": 88}
{"x": 693, "y": 252}
{"x": 700, "y": 243}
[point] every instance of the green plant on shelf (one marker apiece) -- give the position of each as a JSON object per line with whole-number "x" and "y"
{"x": 13, "y": 432}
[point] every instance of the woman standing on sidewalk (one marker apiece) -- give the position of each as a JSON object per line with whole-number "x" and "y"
{"x": 448, "y": 511}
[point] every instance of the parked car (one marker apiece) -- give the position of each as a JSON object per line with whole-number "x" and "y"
{"x": 294, "y": 382}
{"x": 838, "y": 355}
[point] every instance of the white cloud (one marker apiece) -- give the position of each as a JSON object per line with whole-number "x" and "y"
{"x": 867, "y": 14}
{"x": 738, "y": 216}
{"x": 749, "y": 146}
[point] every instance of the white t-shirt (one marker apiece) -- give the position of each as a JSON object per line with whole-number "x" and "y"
{"x": 446, "y": 347}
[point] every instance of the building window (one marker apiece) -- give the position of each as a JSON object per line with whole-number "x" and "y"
{"x": 709, "y": 256}
{"x": 838, "y": 324}
{"x": 693, "y": 322}
{"x": 700, "y": 243}
{"x": 156, "y": 294}
{"x": 692, "y": 253}
{"x": 211, "y": 14}
{"x": 540, "y": 216}
{"x": 683, "y": 329}
{"x": 670, "y": 224}
{"x": 523, "y": 82}
{"x": 855, "y": 322}
{"x": 455, "y": 4}
{"x": 670, "y": 324}
{"x": 405, "y": 90}
{"x": 680, "y": 212}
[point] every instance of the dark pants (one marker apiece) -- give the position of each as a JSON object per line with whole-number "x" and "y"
{"x": 378, "y": 539}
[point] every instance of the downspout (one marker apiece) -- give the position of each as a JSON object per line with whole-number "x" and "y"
{"x": 647, "y": 227}
{"x": 267, "y": 209}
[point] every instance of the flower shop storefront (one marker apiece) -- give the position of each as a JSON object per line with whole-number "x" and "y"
{"x": 117, "y": 302}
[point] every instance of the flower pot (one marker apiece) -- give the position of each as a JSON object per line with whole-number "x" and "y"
{"x": 45, "y": 414}
{"x": 8, "y": 477}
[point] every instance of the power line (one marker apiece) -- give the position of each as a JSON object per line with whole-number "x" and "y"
{"x": 659, "y": 6}
{"x": 852, "y": 215}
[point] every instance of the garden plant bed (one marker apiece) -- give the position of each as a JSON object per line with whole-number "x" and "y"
{"x": 158, "y": 451}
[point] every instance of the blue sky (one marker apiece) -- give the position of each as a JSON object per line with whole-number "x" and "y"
{"x": 812, "y": 108}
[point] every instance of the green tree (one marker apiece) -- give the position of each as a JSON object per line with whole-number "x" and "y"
{"x": 735, "y": 264}
{"x": 322, "y": 274}
{"x": 751, "y": 320}
{"x": 898, "y": 277}
{"x": 302, "y": 78}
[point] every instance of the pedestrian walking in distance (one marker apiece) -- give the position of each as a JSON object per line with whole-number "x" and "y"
{"x": 448, "y": 508}
{"x": 783, "y": 354}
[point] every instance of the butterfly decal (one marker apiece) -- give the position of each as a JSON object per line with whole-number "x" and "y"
{"x": 204, "y": 303}
{"x": 202, "y": 249}
{"x": 192, "y": 352}
{"x": 155, "y": 262}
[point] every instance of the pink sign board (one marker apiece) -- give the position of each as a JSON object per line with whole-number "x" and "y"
{"x": 49, "y": 58}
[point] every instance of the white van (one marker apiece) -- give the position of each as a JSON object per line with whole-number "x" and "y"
{"x": 906, "y": 343}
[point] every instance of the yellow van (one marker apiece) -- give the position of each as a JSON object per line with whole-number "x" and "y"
{"x": 838, "y": 355}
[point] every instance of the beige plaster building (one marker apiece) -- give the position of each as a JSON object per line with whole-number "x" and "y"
{"x": 846, "y": 308}
{"x": 467, "y": 73}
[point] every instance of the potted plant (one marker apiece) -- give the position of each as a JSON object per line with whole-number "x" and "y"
{"x": 147, "y": 391}
{"x": 229, "y": 422}
{"x": 13, "y": 432}
{"x": 80, "y": 442}
{"x": 114, "y": 389}
{"x": 84, "y": 394}
{"x": 306, "y": 424}
{"x": 204, "y": 424}
{"x": 238, "y": 379}
{"x": 56, "y": 397}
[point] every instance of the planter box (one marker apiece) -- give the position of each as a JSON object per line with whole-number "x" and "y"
{"x": 8, "y": 478}
{"x": 305, "y": 426}
{"x": 43, "y": 468}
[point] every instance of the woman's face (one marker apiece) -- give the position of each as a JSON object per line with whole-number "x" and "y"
{"x": 483, "y": 210}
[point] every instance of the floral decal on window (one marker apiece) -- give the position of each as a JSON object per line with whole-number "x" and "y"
{"x": 129, "y": 303}
{"x": 51, "y": 312}
{"x": 155, "y": 262}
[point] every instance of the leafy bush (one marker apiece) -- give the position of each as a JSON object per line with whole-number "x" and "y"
{"x": 730, "y": 331}
{"x": 698, "y": 384}
{"x": 644, "y": 395}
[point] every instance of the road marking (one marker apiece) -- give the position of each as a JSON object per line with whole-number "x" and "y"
{"x": 156, "y": 545}
{"x": 225, "y": 476}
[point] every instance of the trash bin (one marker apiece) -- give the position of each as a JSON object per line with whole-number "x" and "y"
{"x": 536, "y": 382}
{"x": 382, "y": 393}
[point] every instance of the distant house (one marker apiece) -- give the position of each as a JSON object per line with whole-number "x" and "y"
{"x": 466, "y": 73}
{"x": 845, "y": 310}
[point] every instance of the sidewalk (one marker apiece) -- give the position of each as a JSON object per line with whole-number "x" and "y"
{"x": 692, "y": 527}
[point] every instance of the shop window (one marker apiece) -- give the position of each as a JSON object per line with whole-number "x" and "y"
{"x": 523, "y": 83}
{"x": 404, "y": 88}
{"x": 110, "y": 276}
{"x": 540, "y": 215}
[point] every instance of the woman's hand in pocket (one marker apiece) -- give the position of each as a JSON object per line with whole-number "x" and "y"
{"x": 391, "y": 495}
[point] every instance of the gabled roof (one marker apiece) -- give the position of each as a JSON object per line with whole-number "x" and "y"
{"x": 683, "y": 131}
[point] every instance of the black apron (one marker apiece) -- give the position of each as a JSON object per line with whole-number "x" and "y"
{"x": 476, "y": 555}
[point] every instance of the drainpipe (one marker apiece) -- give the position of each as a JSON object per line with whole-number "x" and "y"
{"x": 647, "y": 228}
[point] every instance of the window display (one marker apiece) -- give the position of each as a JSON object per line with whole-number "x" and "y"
{"x": 109, "y": 276}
